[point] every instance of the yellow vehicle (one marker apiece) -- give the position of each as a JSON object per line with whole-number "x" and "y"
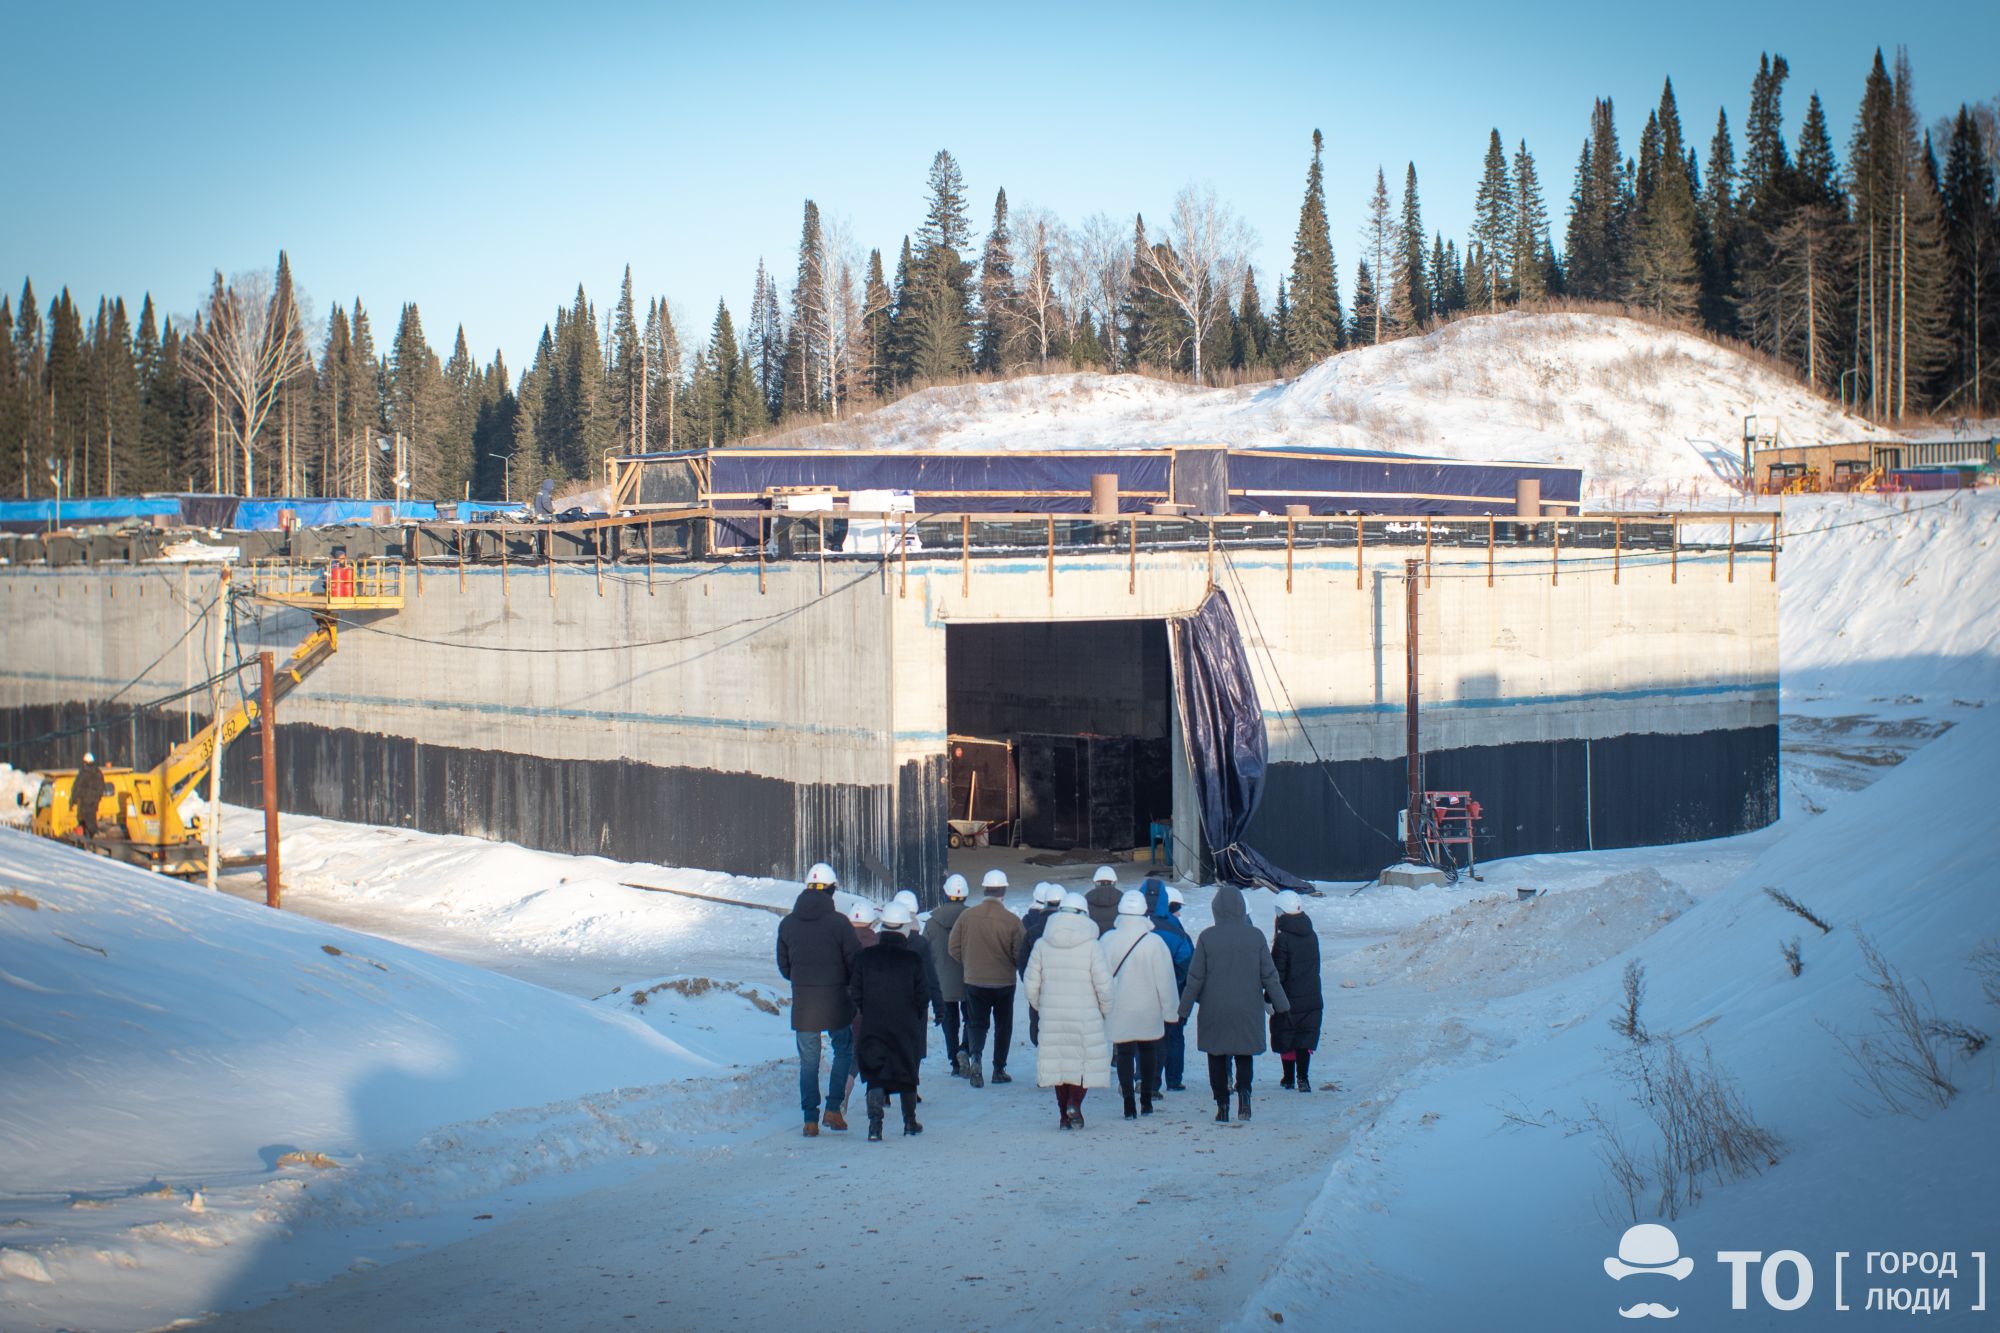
{"x": 153, "y": 817}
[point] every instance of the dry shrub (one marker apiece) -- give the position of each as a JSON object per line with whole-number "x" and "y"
{"x": 1706, "y": 1130}
{"x": 1898, "y": 1064}
{"x": 1986, "y": 965}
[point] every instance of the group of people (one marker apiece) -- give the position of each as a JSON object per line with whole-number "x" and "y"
{"x": 1110, "y": 976}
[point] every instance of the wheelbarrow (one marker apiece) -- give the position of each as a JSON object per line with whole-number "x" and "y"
{"x": 969, "y": 832}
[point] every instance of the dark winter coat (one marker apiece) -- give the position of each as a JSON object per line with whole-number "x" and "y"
{"x": 1032, "y": 926}
{"x": 816, "y": 953}
{"x": 933, "y": 991}
{"x": 1295, "y": 953}
{"x": 1103, "y": 900}
{"x": 86, "y": 790}
{"x": 937, "y": 937}
{"x": 1232, "y": 978}
{"x": 1169, "y": 928}
{"x": 890, "y": 991}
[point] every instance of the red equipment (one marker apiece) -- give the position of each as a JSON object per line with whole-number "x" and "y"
{"x": 1448, "y": 819}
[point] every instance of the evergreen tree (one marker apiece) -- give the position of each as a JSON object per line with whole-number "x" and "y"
{"x": 1438, "y": 281}
{"x": 940, "y": 279}
{"x": 901, "y": 359}
{"x": 1493, "y": 218}
{"x": 1384, "y": 247}
{"x": 808, "y": 342}
{"x": 1815, "y": 177}
{"x": 1479, "y": 278}
{"x": 1456, "y": 297}
{"x": 1314, "y": 325}
{"x": 622, "y": 375}
{"x": 1366, "y": 318}
{"x": 127, "y": 466}
{"x": 13, "y": 429}
{"x": 1249, "y": 333}
{"x": 766, "y": 338}
{"x": 1663, "y": 277}
{"x": 1765, "y": 162}
{"x": 1972, "y": 242}
{"x": 997, "y": 345}
{"x": 1281, "y": 329}
{"x": 1718, "y": 245}
{"x": 463, "y": 392}
{"x": 416, "y": 408}
{"x": 1528, "y": 235}
{"x": 1413, "y": 287}
{"x": 666, "y": 389}
{"x": 494, "y": 432}
{"x": 877, "y": 312}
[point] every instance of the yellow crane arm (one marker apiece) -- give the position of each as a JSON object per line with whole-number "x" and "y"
{"x": 188, "y": 762}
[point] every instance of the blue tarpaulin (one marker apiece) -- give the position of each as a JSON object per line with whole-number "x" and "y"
{"x": 1223, "y": 725}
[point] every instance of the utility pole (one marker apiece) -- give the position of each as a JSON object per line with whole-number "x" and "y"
{"x": 1412, "y": 848}
{"x": 212, "y": 831}
{"x": 267, "y": 718}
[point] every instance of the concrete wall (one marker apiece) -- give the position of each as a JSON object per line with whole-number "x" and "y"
{"x": 703, "y": 722}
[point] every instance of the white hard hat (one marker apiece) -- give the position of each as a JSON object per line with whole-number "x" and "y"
{"x": 955, "y": 887}
{"x": 1132, "y": 903}
{"x": 1103, "y": 873}
{"x": 821, "y": 876}
{"x": 862, "y": 914}
{"x": 1075, "y": 902}
{"x": 897, "y": 916}
{"x": 907, "y": 899}
{"x": 1175, "y": 898}
{"x": 89, "y": 758}
{"x": 1288, "y": 903}
{"x": 993, "y": 879}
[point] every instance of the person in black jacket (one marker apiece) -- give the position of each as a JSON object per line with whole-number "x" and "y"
{"x": 1295, "y": 951}
{"x": 1047, "y": 898}
{"x": 890, "y": 991}
{"x": 816, "y": 952}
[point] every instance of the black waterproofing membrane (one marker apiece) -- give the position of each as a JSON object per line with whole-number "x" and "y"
{"x": 1223, "y": 727}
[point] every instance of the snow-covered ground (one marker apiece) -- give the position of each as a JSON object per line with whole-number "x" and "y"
{"x": 508, "y": 1139}
{"x": 1654, "y": 417}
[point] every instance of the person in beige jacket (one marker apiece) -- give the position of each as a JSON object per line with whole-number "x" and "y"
{"x": 987, "y": 940}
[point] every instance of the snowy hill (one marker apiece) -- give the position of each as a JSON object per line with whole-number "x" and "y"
{"x": 165, "y": 1048}
{"x": 1653, "y": 416}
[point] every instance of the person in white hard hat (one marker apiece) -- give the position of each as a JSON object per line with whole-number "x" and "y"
{"x": 987, "y": 940}
{"x": 1103, "y": 898}
{"x": 1069, "y": 980}
{"x": 949, "y": 1007}
{"x": 889, "y": 992}
{"x": 1295, "y": 952}
{"x": 816, "y": 952}
{"x": 86, "y": 792}
{"x": 862, "y": 916}
{"x": 1163, "y": 909}
{"x": 1144, "y": 996}
{"x": 1047, "y": 897}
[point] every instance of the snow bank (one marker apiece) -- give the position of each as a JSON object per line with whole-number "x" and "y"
{"x": 1653, "y": 416}
{"x": 162, "y": 1050}
{"x": 1482, "y": 1193}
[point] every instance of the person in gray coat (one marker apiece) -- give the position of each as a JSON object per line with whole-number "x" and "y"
{"x": 1232, "y": 978}
{"x": 949, "y": 1006}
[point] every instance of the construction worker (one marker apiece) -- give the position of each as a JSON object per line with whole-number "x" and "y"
{"x": 949, "y": 1007}
{"x": 85, "y": 792}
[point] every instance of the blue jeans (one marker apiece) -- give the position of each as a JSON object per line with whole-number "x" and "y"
{"x": 1173, "y": 1054}
{"x": 843, "y": 1060}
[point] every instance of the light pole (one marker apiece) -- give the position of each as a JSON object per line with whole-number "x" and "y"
{"x": 506, "y": 476}
{"x": 56, "y": 480}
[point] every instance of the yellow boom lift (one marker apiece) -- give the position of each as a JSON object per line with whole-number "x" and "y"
{"x": 153, "y": 817}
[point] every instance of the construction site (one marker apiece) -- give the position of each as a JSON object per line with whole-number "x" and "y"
{"x": 1198, "y": 656}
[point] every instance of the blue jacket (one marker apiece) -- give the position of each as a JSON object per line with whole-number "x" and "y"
{"x": 1169, "y": 928}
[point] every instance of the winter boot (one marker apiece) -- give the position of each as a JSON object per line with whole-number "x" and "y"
{"x": 1145, "y": 1101}
{"x": 834, "y": 1120}
{"x": 1222, "y": 1110}
{"x": 1131, "y": 1107}
{"x": 878, "y": 1102}
{"x": 973, "y": 1075}
{"x": 812, "y": 1129}
{"x": 1305, "y": 1071}
{"x": 1286, "y": 1081}
{"x": 1002, "y": 1076}
{"x": 1243, "y": 1104}
{"x": 958, "y": 1064}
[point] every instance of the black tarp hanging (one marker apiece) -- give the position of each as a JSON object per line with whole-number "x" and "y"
{"x": 1222, "y": 725}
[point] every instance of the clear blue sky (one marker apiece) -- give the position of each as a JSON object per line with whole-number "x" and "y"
{"x": 482, "y": 160}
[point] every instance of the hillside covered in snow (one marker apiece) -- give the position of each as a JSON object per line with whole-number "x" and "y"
{"x": 1654, "y": 416}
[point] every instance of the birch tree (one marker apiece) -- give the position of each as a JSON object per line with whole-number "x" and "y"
{"x": 247, "y": 347}
{"x": 1038, "y": 281}
{"x": 1198, "y": 264}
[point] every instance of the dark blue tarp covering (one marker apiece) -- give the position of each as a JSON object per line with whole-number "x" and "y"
{"x": 946, "y": 483}
{"x": 1266, "y": 481}
{"x": 1224, "y": 728}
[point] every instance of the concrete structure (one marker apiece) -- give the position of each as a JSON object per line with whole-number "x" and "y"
{"x": 756, "y": 716}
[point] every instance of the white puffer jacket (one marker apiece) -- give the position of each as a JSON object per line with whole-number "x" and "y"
{"x": 1069, "y": 982}
{"x": 1144, "y": 998}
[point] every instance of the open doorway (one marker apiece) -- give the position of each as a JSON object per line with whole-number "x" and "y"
{"x": 1060, "y": 736}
